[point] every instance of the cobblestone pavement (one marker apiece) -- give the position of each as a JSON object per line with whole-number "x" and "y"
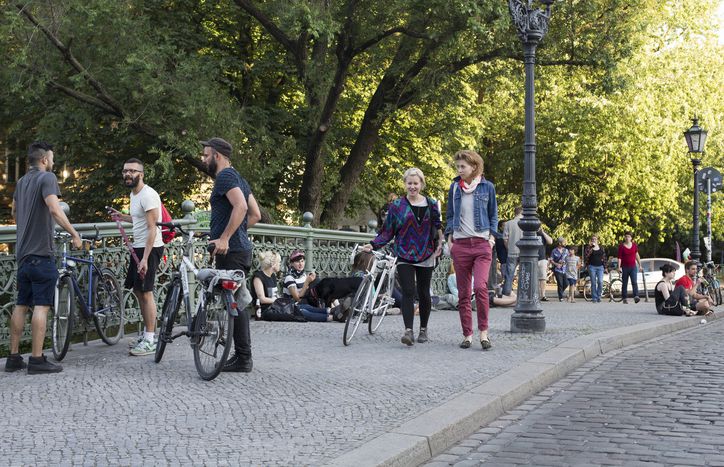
{"x": 308, "y": 400}
{"x": 656, "y": 403}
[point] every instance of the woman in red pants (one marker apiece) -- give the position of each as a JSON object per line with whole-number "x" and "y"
{"x": 472, "y": 224}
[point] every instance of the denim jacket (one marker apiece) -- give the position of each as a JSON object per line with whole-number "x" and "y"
{"x": 485, "y": 207}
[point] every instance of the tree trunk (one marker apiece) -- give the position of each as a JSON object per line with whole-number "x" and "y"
{"x": 310, "y": 193}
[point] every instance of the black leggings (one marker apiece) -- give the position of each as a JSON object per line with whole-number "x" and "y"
{"x": 675, "y": 305}
{"x": 407, "y": 274}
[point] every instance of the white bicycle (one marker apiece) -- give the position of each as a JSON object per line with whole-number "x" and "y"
{"x": 373, "y": 297}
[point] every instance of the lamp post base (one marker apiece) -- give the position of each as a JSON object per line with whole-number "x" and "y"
{"x": 526, "y": 322}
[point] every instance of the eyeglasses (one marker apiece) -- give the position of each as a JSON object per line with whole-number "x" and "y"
{"x": 131, "y": 171}
{"x": 298, "y": 260}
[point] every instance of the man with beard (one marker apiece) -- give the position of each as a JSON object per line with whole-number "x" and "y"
{"x": 233, "y": 211}
{"x": 700, "y": 303}
{"x": 145, "y": 212}
{"x": 35, "y": 207}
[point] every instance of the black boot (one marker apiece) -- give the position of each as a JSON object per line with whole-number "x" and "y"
{"x": 41, "y": 365}
{"x": 14, "y": 363}
{"x": 238, "y": 364}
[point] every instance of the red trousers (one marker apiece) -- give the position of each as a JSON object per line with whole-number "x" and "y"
{"x": 471, "y": 258}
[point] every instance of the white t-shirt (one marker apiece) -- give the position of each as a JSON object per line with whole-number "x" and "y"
{"x": 144, "y": 201}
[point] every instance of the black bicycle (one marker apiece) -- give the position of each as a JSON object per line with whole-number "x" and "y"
{"x": 103, "y": 305}
{"x": 210, "y": 329}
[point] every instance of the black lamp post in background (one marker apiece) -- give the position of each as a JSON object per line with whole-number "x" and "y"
{"x": 695, "y": 139}
{"x": 532, "y": 25}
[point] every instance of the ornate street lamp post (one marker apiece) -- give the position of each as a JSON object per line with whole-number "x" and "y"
{"x": 532, "y": 25}
{"x": 695, "y": 139}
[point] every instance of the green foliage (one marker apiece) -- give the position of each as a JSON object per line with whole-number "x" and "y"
{"x": 616, "y": 83}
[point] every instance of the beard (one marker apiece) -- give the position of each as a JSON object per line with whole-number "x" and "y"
{"x": 131, "y": 182}
{"x": 211, "y": 166}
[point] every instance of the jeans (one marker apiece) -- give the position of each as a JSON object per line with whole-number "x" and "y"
{"x": 242, "y": 336}
{"x": 312, "y": 313}
{"x": 561, "y": 282}
{"x": 36, "y": 278}
{"x": 415, "y": 278}
{"x": 509, "y": 274}
{"x": 596, "y": 275}
{"x": 472, "y": 258}
{"x": 633, "y": 274}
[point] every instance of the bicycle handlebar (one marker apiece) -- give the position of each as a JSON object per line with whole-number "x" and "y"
{"x": 88, "y": 238}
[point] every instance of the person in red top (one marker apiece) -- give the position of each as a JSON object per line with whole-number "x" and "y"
{"x": 700, "y": 303}
{"x": 628, "y": 260}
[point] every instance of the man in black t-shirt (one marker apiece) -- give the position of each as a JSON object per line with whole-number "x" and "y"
{"x": 233, "y": 210}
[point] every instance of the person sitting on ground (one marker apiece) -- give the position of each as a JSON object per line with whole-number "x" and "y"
{"x": 670, "y": 299}
{"x": 296, "y": 285}
{"x": 698, "y": 302}
{"x": 452, "y": 298}
{"x": 264, "y": 288}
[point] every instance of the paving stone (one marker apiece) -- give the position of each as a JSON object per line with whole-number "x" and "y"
{"x": 621, "y": 409}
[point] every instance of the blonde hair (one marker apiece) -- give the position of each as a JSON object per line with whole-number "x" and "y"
{"x": 472, "y": 158}
{"x": 412, "y": 172}
{"x": 268, "y": 259}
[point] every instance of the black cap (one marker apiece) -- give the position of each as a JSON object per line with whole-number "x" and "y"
{"x": 220, "y": 145}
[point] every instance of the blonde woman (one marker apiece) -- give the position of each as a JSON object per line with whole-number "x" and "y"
{"x": 472, "y": 224}
{"x": 413, "y": 221}
{"x": 264, "y": 281}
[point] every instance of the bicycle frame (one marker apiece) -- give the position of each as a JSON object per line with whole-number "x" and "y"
{"x": 68, "y": 268}
{"x": 383, "y": 272}
{"x": 187, "y": 264}
{"x": 388, "y": 267}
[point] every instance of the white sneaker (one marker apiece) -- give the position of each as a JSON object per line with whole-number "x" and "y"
{"x": 134, "y": 341}
{"x": 144, "y": 348}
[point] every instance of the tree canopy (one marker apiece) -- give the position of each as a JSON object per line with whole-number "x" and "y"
{"x": 327, "y": 103}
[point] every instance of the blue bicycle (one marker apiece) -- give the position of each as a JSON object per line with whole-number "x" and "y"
{"x": 103, "y": 305}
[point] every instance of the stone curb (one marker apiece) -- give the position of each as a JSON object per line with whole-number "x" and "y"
{"x": 434, "y": 431}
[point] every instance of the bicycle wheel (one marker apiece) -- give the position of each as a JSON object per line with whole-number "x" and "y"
{"x": 108, "y": 312}
{"x": 587, "y": 289}
{"x": 213, "y": 328}
{"x": 383, "y": 300}
{"x": 718, "y": 294}
{"x": 168, "y": 317}
{"x": 359, "y": 309}
{"x": 63, "y": 317}
{"x": 606, "y": 289}
{"x": 615, "y": 290}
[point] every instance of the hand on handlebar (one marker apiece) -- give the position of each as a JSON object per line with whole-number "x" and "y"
{"x": 221, "y": 246}
{"x": 76, "y": 241}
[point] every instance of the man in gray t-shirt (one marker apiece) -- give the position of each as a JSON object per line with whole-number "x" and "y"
{"x": 35, "y": 207}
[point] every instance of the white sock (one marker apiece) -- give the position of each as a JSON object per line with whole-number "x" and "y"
{"x": 148, "y": 336}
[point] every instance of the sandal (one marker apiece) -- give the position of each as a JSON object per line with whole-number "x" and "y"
{"x": 467, "y": 342}
{"x": 485, "y": 343}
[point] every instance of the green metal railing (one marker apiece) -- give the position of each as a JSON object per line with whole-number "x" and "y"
{"x": 327, "y": 252}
